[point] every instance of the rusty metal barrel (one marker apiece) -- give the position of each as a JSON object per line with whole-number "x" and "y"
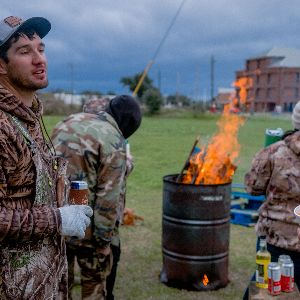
{"x": 195, "y": 235}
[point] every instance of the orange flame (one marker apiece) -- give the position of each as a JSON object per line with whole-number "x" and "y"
{"x": 242, "y": 84}
{"x": 205, "y": 280}
{"x": 214, "y": 163}
{"x": 241, "y": 97}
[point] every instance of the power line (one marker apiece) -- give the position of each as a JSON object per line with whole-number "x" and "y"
{"x": 168, "y": 30}
{"x": 149, "y": 65}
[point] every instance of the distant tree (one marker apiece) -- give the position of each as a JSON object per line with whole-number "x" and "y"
{"x": 91, "y": 92}
{"x": 132, "y": 82}
{"x": 153, "y": 100}
{"x": 179, "y": 100}
{"x": 111, "y": 93}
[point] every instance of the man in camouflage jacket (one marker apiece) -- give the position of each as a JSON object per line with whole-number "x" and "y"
{"x": 275, "y": 173}
{"x": 94, "y": 144}
{"x": 33, "y": 261}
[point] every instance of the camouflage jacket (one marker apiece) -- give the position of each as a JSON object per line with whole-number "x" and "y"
{"x": 275, "y": 172}
{"x": 32, "y": 253}
{"x": 95, "y": 149}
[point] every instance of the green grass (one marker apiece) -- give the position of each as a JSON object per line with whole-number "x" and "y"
{"x": 160, "y": 147}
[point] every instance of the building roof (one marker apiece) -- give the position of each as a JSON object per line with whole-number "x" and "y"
{"x": 226, "y": 90}
{"x": 283, "y": 57}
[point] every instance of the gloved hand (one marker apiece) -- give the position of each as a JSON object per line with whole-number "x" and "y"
{"x": 75, "y": 219}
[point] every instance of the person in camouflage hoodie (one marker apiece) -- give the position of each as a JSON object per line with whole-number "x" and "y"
{"x": 33, "y": 221}
{"x": 275, "y": 173}
{"x": 94, "y": 142}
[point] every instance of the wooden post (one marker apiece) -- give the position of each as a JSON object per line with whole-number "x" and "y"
{"x": 188, "y": 159}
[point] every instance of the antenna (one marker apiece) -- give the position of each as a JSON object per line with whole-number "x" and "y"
{"x": 151, "y": 62}
{"x": 72, "y": 81}
{"x": 212, "y": 77}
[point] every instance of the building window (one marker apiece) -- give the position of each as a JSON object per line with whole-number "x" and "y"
{"x": 297, "y": 76}
{"x": 296, "y": 93}
{"x": 257, "y": 79}
{"x": 257, "y": 93}
{"x": 248, "y": 66}
{"x": 269, "y": 78}
{"x": 268, "y": 93}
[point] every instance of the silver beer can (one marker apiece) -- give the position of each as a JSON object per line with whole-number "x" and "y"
{"x": 274, "y": 278}
{"x": 287, "y": 276}
{"x": 282, "y": 258}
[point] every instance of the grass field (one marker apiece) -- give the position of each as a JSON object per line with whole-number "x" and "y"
{"x": 160, "y": 147}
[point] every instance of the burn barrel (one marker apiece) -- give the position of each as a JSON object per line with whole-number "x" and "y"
{"x": 195, "y": 235}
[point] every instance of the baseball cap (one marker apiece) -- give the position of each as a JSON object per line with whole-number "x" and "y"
{"x": 12, "y": 24}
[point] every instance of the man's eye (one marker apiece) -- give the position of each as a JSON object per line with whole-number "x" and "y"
{"x": 24, "y": 51}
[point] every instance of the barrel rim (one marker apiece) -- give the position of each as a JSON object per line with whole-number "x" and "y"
{"x": 205, "y": 258}
{"x": 196, "y": 222}
{"x": 166, "y": 178}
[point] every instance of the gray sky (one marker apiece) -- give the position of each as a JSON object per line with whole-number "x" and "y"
{"x": 104, "y": 40}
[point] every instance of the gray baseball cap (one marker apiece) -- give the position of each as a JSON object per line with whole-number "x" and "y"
{"x": 12, "y": 24}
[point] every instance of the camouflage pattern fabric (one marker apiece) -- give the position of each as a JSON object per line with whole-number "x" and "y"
{"x": 95, "y": 149}
{"x": 94, "y": 270}
{"x": 275, "y": 172}
{"x": 33, "y": 261}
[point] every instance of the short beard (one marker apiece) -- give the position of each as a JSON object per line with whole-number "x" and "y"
{"x": 30, "y": 86}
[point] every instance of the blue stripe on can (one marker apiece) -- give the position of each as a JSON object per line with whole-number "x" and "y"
{"x": 79, "y": 185}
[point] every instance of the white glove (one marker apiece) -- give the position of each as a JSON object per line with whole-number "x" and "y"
{"x": 75, "y": 219}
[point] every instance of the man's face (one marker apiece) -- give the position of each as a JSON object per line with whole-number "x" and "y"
{"x": 27, "y": 64}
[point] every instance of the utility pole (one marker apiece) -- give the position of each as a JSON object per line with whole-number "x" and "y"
{"x": 212, "y": 77}
{"x": 177, "y": 87}
{"x": 159, "y": 80}
{"x": 72, "y": 81}
{"x": 197, "y": 83}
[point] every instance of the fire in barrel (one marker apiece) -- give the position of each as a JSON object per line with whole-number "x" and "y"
{"x": 196, "y": 213}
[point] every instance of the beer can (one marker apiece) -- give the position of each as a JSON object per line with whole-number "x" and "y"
{"x": 274, "y": 278}
{"x": 78, "y": 193}
{"x": 287, "y": 276}
{"x": 282, "y": 258}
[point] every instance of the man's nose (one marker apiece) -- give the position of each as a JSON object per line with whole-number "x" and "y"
{"x": 39, "y": 58}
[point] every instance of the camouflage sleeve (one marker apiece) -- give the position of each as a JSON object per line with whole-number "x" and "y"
{"x": 257, "y": 178}
{"x": 17, "y": 224}
{"x": 109, "y": 187}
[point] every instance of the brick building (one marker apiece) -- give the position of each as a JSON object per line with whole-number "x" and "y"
{"x": 273, "y": 80}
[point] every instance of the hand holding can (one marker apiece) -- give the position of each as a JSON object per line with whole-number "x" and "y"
{"x": 79, "y": 193}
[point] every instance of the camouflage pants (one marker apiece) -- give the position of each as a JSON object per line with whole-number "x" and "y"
{"x": 93, "y": 271}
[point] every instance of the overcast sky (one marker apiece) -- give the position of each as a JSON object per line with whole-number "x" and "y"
{"x": 93, "y": 43}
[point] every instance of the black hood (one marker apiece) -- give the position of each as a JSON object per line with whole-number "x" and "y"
{"x": 127, "y": 114}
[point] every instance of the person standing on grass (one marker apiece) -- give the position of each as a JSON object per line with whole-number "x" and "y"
{"x": 33, "y": 221}
{"x": 94, "y": 142}
{"x": 275, "y": 173}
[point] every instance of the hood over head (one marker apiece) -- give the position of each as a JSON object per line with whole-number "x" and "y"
{"x": 127, "y": 114}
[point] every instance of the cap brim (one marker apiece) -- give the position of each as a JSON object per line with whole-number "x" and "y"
{"x": 38, "y": 24}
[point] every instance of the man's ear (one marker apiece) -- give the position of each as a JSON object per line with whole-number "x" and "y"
{"x": 2, "y": 67}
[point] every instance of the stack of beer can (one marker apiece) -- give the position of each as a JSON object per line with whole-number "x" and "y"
{"x": 281, "y": 275}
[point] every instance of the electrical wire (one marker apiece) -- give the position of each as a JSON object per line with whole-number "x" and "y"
{"x": 149, "y": 65}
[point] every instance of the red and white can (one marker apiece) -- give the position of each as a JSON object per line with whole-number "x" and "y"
{"x": 274, "y": 278}
{"x": 287, "y": 276}
{"x": 282, "y": 258}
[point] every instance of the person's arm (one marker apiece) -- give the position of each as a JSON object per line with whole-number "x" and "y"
{"x": 109, "y": 185}
{"x": 20, "y": 221}
{"x": 24, "y": 224}
{"x": 258, "y": 177}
